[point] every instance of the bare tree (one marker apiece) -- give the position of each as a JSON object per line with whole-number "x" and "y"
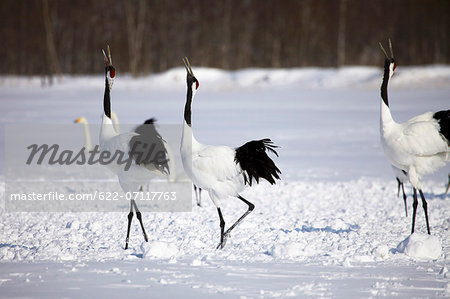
{"x": 52, "y": 56}
{"x": 135, "y": 31}
{"x": 152, "y": 35}
{"x": 341, "y": 32}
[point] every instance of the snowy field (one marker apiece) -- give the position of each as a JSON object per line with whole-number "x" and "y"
{"x": 332, "y": 227}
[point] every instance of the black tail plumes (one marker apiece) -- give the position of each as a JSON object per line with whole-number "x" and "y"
{"x": 255, "y": 162}
{"x": 443, "y": 118}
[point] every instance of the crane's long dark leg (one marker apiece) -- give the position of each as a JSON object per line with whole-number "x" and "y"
{"x": 404, "y": 201}
{"x": 139, "y": 217}
{"x": 223, "y": 239}
{"x": 425, "y": 209}
{"x": 414, "y": 209}
{"x": 400, "y": 185}
{"x": 130, "y": 217}
{"x": 222, "y": 229}
{"x": 198, "y": 197}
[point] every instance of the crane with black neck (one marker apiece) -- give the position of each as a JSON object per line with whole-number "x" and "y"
{"x": 418, "y": 146}
{"x": 224, "y": 171}
{"x": 144, "y": 148}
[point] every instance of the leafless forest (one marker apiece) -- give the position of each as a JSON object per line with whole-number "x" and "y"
{"x": 61, "y": 36}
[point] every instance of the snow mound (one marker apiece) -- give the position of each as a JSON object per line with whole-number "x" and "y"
{"x": 380, "y": 252}
{"x": 158, "y": 249}
{"x": 218, "y": 79}
{"x": 421, "y": 246}
{"x": 287, "y": 250}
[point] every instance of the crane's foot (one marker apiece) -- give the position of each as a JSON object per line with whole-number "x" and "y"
{"x": 222, "y": 244}
{"x": 145, "y": 237}
{"x": 139, "y": 217}
{"x": 223, "y": 240}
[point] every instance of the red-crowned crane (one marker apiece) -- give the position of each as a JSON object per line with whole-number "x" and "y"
{"x": 221, "y": 170}
{"x": 418, "y": 146}
{"x": 131, "y": 146}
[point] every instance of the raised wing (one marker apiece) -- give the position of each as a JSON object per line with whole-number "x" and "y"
{"x": 148, "y": 149}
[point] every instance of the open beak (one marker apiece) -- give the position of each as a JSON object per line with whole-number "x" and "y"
{"x": 187, "y": 65}
{"x": 390, "y": 48}
{"x": 108, "y": 59}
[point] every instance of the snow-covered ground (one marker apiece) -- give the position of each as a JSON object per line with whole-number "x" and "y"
{"x": 333, "y": 227}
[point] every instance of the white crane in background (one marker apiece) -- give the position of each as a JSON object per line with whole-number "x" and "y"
{"x": 87, "y": 133}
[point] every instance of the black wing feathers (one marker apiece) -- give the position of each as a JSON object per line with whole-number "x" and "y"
{"x": 443, "y": 118}
{"x": 148, "y": 148}
{"x": 255, "y": 162}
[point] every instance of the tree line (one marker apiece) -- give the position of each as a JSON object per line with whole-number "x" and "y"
{"x": 45, "y": 37}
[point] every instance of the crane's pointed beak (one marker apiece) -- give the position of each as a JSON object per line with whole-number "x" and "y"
{"x": 109, "y": 54}
{"x": 382, "y": 49}
{"x": 390, "y": 48}
{"x": 187, "y": 65}
{"x": 108, "y": 59}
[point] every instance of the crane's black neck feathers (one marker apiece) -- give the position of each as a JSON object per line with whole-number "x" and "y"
{"x": 443, "y": 118}
{"x": 384, "y": 84}
{"x": 187, "y": 108}
{"x": 255, "y": 162}
{"x": 107, "y": 99}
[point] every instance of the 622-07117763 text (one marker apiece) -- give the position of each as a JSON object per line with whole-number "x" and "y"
{"x": 97, "y": 195}
{"x": 149, "y": 195}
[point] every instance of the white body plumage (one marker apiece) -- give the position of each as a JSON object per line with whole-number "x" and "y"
{"x": 415, "y": 146}
{"x": 211, "y": 168}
